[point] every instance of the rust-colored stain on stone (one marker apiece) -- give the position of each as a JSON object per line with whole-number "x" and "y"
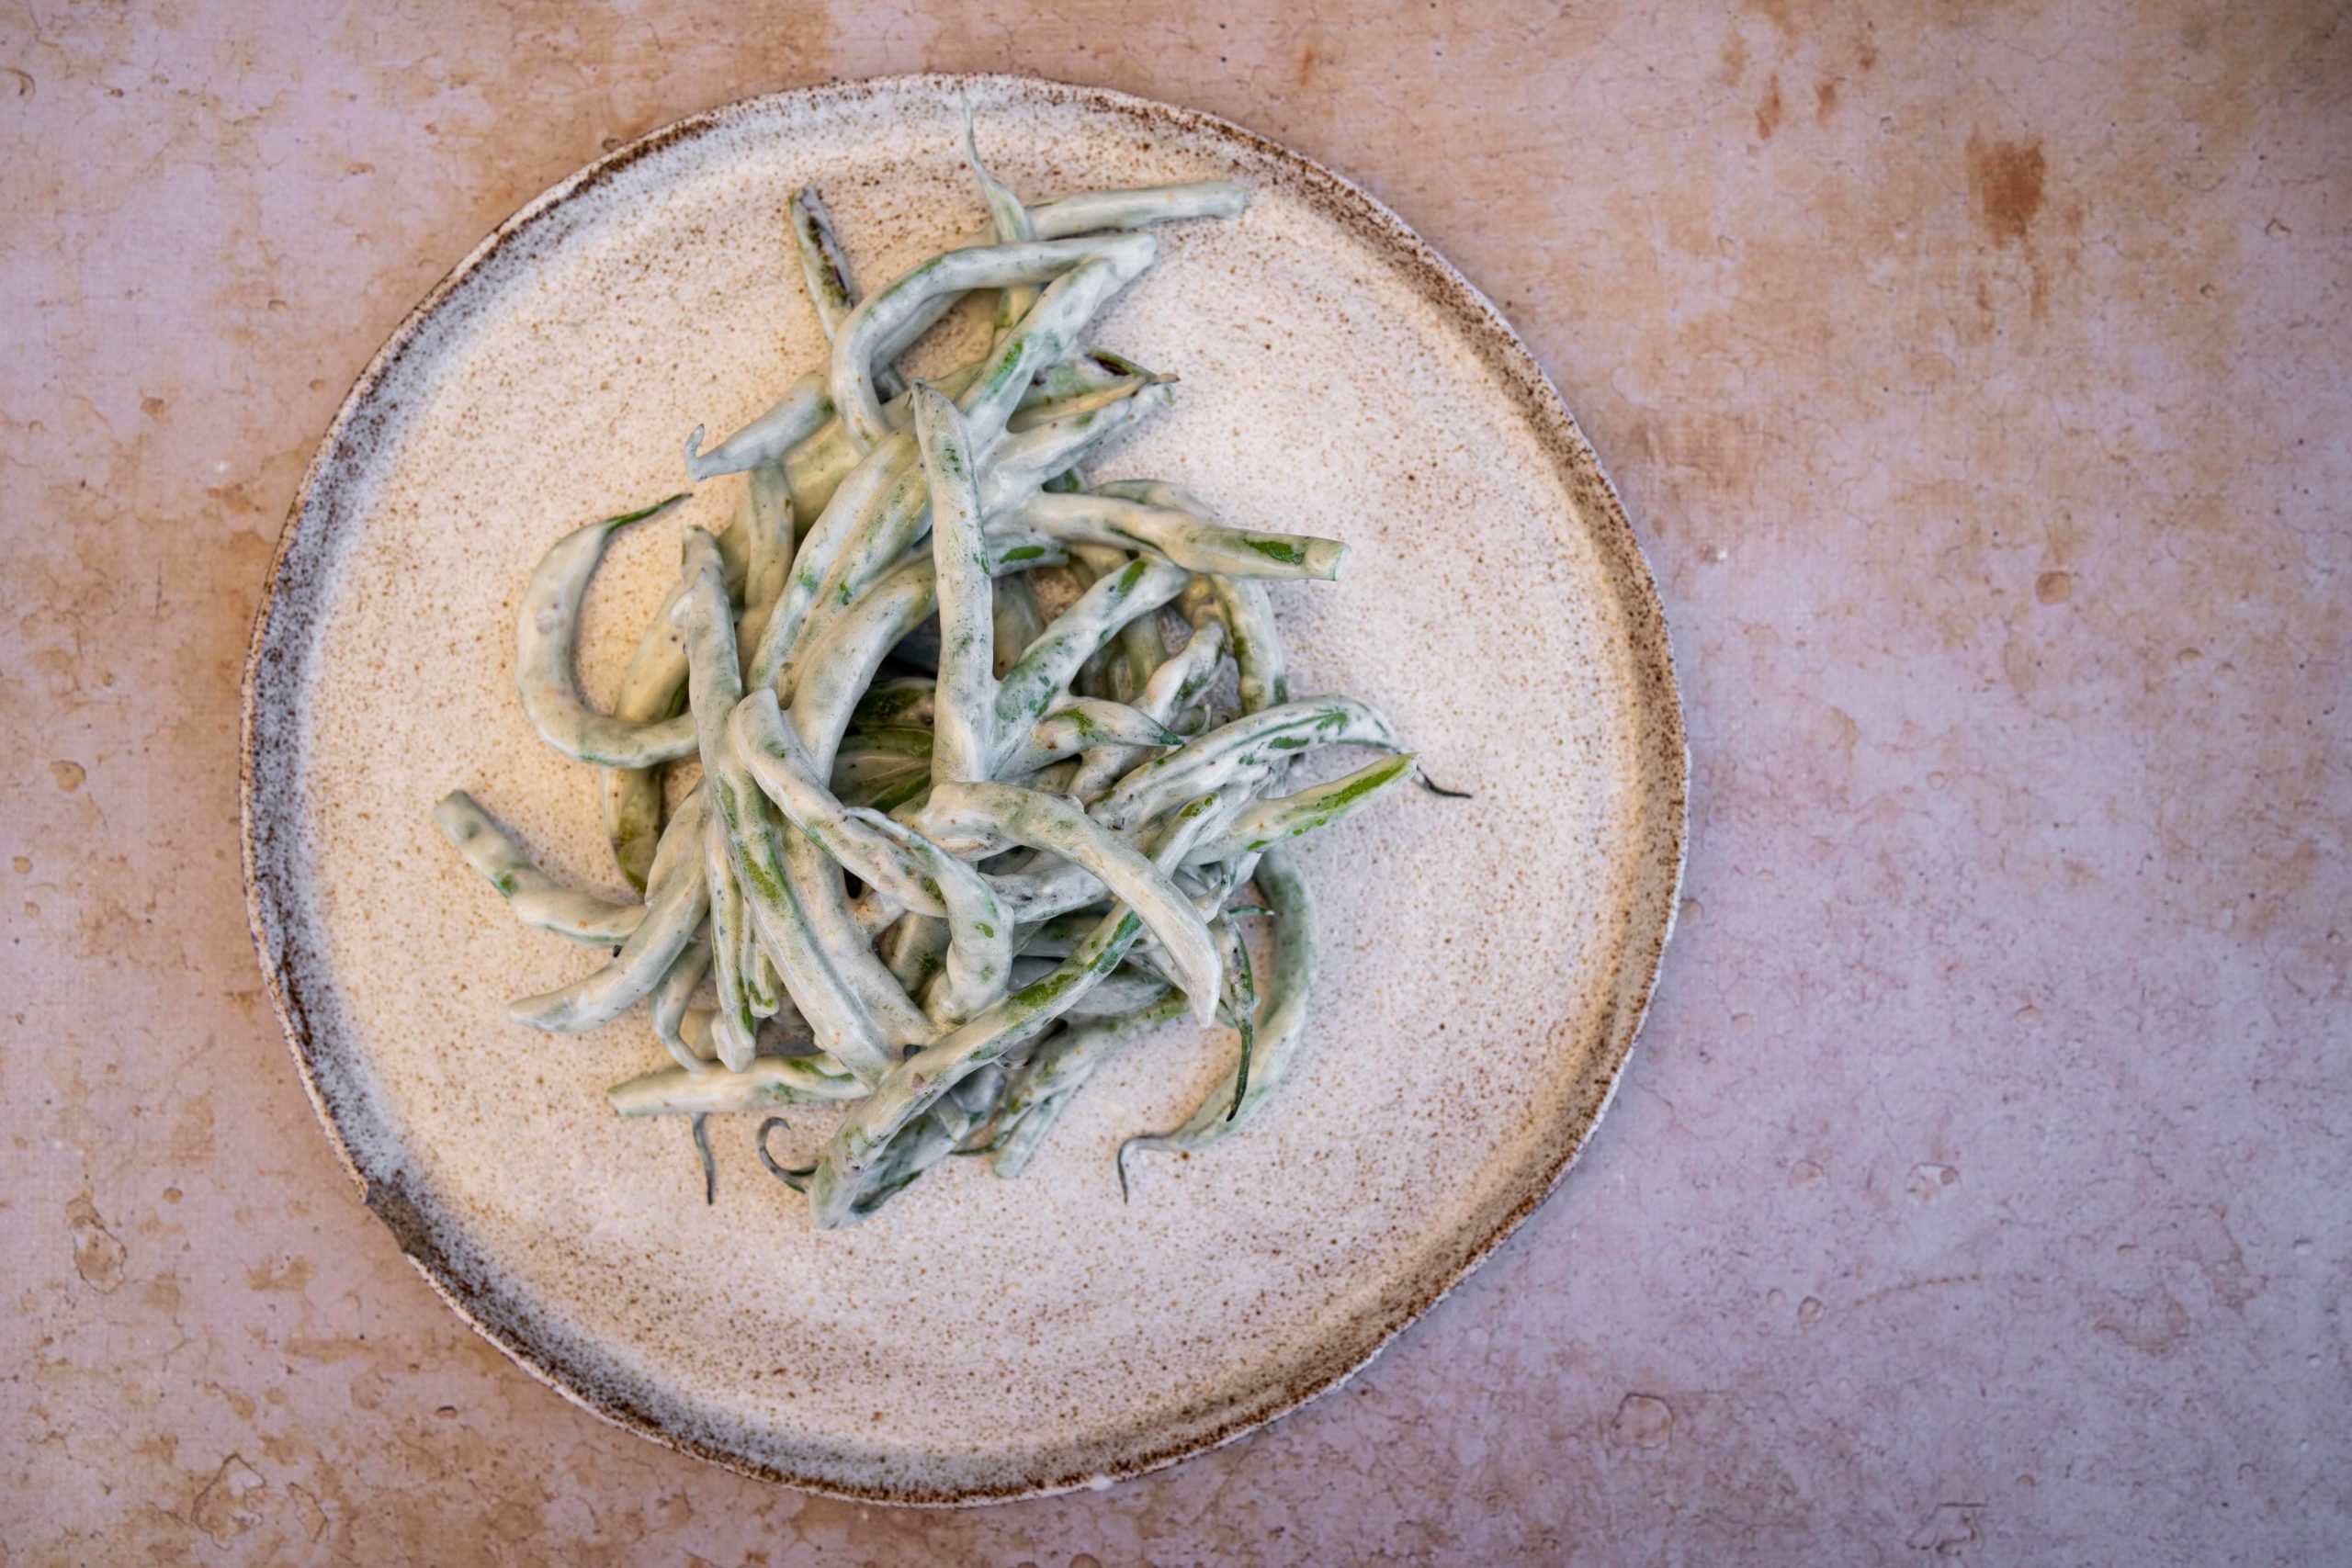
{"x": 2005, "y": 179}
{"x": 2066, "y": 912}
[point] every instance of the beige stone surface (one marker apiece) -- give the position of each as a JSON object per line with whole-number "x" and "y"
{"x": 1977, "y": 380}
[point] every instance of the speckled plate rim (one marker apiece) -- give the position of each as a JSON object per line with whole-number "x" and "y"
{"x": 272, "y": 693}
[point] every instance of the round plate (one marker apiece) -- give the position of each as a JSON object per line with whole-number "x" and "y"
{"x": 1488, "y": 959}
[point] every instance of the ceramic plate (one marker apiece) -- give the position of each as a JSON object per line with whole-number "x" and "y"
{"x": 1488, "y": 960}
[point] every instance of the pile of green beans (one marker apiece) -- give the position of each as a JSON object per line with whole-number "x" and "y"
{"x": 945, "y": 852}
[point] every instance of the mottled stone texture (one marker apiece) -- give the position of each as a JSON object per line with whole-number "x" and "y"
{"x": 1977, "y": 380}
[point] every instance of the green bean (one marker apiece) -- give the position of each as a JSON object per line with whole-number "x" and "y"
{"x": 870, "y": 328}
{"x": 840, "y": 1013}
{"x": 679, "y": 898}
{"x": 1044, "y": 338}
{"x": 845, "y": 657}
{"x": 1121, "y": 991}
{"x": 1257, "y": 646}
{"x": 1015, "y": 621}
{"x": 537, "y": 898}
{"x": 1075, "y": 724}
{"x": 852, "y": 647}
{"x": 816, "y": 458}
{"x": 782, "y": 767}
{"x": 1056, "y": 937}
{"x": 675, "y": 852}
{"x": 763, "y": 987}
{"x": 964, "y": 730}
{"x": 1240, "y": 603}
{"x": 979, "y": 949}
{"x": 974, "y": 1099}
{"x": 1045, "y": 822}
{"x": 1139, "y": 208}
{"x": 882, "y": 509}
{"x": 768, "y": 1081}
{"x": 1239, "y": 1004}
{"x": 1265, "y": 823}
{"x": 806, "y": 406}
{"x": 1044, "y": 1086}
{"x": 880, "y": 481}
{"x": 1178, "y": 683}
{"x": 795, "y": 1179}
{"x": 1055, "y": 887}
{"x": 1162, "y": 493}
{"x": 1089, "y": 379}
{"x": 1142, "y": 649}
{"x": 1086, "y": 373}
{"x": 632, "y": 796}
{"x": 1171, "y": 688}
{"x": 904, "y": 702}
{"x": 1241, "y": 607}
{"x": 1029, "y": 416}
{"x": 1063, "y": 433}
{"x": 820, "y": 712}
{"x": 842, "y": 658}
{"x": 865, "y": 1161}
{"x": 814, "y": 604}
{"x": 786, "y": 1033}
{"x": 654, "y": 687}
{"x": 669, "y": 1005}
{"x": 547, "y": 625}
{"x": 1050, "y": 890}
{"x": 768, "y": 530}
{"x": 887, "y": 740}
{"x": 819, "y": 464}
{"x": 1127, "y": 659}
{"x": 714, "y": 683}
{"x": 1011, "y": 223}
{"x": 816, "y": 882}
{"x": 1179, "y": 538}
{"x": 1042, "y": 899}
{"x": 802, "y": 409}
{"x": 1282, "y": 1021}
{"x": 701, "y": 1126}
{"x": 1269, "y": 736}
{"x": 824, "y": 265}
{"x": 883, "y": 506}
{"x": 803, "y": 430}
{"x": 883, "y": 781}
{"x": 921, "y": 1145}
{"x": 915, "y": 947}
{"x": 1048, "y": 664}
{"x": 1210, "y": 888}
{"x": 1054, "y": 778}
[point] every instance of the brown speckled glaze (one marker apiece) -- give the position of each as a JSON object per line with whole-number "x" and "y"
{"x": 980, "y": 1339}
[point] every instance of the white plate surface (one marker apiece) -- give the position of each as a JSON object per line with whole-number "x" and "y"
{"x": 1488, "y": 960}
